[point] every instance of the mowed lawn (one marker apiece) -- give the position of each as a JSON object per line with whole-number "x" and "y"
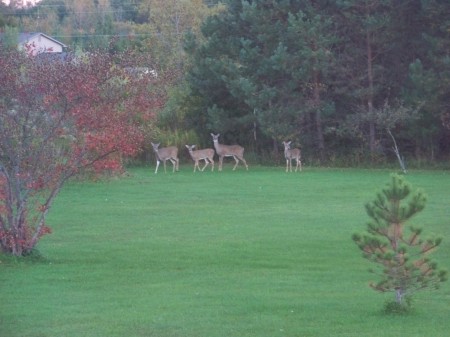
{"x": 218, "y": 254}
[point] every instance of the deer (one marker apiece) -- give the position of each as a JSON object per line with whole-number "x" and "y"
{"x": 235, "y": 151}
{"x": 205, "y": 154}
{"x": 290, "y": 154}
{"x": 166, "y": 153}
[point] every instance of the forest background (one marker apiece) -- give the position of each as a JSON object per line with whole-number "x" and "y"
{"x": 346, "y": 80}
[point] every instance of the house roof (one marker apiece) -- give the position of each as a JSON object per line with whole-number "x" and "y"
{"x": 25, "y": 37}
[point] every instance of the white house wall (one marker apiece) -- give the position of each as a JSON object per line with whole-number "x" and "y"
{"x": 40, "y": 44}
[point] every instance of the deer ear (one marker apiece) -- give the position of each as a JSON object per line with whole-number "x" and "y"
{"x": 187, "y": 146}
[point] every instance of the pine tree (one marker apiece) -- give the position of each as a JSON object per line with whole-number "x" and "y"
{"x": 263, "y": 66}
{"x": 402, "y": 256}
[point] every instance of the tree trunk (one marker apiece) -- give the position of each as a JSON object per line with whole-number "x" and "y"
{"x": 370, "y": 95}
{"x": 318, "y": 117}
{"x": 397, "y": 153}
{"x": 275, "y": 147}
{"x": 399, "y": 296}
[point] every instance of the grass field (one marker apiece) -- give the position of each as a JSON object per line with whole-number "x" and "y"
{"x": 229, "y": 254}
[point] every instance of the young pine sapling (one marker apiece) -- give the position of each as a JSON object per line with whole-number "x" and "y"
{"x": 397, "y": 248}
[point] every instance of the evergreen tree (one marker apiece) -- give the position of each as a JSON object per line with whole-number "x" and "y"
{"x": 429, "y": 81}
{"x": 402, "y": 256}
{"x": 262, "y": 70}
{"x": 311, "y": 49}
{"x": 365, "y": 26}
{"x": 215, "y": 68}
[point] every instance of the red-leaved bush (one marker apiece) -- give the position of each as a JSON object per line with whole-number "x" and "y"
{"x": 58, "y": 117}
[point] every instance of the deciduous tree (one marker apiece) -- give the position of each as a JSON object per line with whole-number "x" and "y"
{"x": 58, "y": 118}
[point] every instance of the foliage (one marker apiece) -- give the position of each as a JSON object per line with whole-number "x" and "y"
{"x": 57, "y": 118}
{"x": 402, "y": 256}
{"x": 261, "y": 72}
{"x": 268, "y": 71}
{"x": 155, "y": 27}
{"x": 243, "y": 76}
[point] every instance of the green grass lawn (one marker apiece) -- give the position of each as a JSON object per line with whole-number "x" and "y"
{"x": 229, "y": 254}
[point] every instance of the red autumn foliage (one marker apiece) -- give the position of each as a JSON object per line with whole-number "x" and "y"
{"x": 59, "y": 117}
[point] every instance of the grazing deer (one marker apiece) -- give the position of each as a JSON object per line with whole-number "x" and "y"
{"x": 235, "y": 151}
{"x": 206, "y": 154}
{"x": 290, "y": 154}
{"x": 166, "y": 153}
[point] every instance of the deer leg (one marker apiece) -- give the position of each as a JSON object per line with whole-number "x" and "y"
{"x": 206, "y": 164}
{"x": 245, "y": 163}
{"x": 287, "y": 165}
{"x": 299, "y": 165}
{"x": 220, "y": 163}
{"x": 237, "y": 162}
{"x": 173, "y": 164}
{"x": 157, "y": 165}
{"x": 198, "y": 166}
{"x": 212, "y": 165}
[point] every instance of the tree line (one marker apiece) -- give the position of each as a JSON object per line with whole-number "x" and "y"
{"x": 341, "y": 78}
{"x": 346, "y": 80}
